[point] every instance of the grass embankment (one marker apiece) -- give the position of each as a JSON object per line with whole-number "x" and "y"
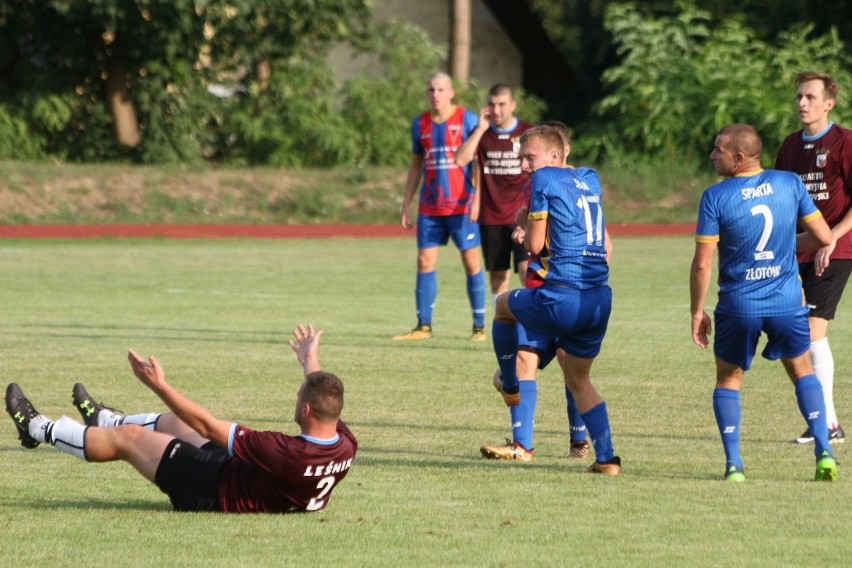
{"x": 116, "y": 193}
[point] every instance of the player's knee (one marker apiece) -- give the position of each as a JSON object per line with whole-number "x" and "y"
{"x": 501, "y": 309}
{"x": 129, "y": 435}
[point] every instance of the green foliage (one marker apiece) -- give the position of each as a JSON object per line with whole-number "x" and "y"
{"x": 176, "y": 106}
{"x": 57, "y": 57}
{"x": 16, "y": 140}
{"x": 293, "y": 123}
{"x": 684, "y": 76}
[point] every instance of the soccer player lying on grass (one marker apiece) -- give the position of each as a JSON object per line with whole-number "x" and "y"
{"x": 201, "y": 462}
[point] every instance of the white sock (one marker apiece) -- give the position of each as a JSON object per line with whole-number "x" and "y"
{"x": 823, "y": 363}
{"x": 494, "y": 300}
{"x": 40, "y": 427}
{"x": 70, "y": 437}
{"x": 109, "y": 418}
{"x": 148, "y": 421}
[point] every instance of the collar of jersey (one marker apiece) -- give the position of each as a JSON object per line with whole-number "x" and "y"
{"x": 749, "y": 173}
{"x": 820, "y": 135}
{"x": 319, "y": 441}
{"x": 507, "y": 130}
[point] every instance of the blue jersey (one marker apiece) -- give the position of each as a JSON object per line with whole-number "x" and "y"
{"x": 570, "y": 200}
{"x": 753, "y": 219}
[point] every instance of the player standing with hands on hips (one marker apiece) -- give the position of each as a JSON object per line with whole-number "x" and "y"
{"x": 447, "y": 207}
{"x": 751, "y": 218}
{"x": 821, "y": 154}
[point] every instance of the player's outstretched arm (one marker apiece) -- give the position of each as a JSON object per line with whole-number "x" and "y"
{"x": 151, "y": 374}
{"x": 306, "y": 347}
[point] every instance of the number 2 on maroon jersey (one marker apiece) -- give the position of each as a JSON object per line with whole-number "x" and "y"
{"x": 325, "y": 484}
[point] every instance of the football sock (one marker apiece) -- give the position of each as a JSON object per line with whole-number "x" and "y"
{"x": 597, "y": 421}
{"x": 523, "y": 414}
{"x": 726, "y": 407}
{"x": 70, "y": 437}
{"x": 476, "y": 295}
{"x": 809, "y": 395}
{"x": 109, "y": 418}
{"x": 424, "y": 296}
{"x": 494, "y": 299}
{"x": 148, "y": 421}
{"x": 40, "y": 428}
{"x": 823, "y": 364}
{"x": 575, "y": 422}
{"x": 504, "y": 336}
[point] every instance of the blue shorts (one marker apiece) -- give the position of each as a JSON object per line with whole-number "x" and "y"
{"x": 436, "y": 231}
{"x": 736, "y": 337}
{"x": 577, "y": 319}
{"x": 544, "y": 347}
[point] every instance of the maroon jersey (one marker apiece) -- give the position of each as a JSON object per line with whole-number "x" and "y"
{"x": 825, "y": 165}
{"x": 500, "y": 178}
{"x": 271, "y": 472}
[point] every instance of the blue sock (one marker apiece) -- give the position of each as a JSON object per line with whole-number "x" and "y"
{"x": 575, "y": 422}
{"x": 726, "y": 407}
{"x": 424, "y": 296}
{"x": 476, "y": 295}
{"x": 523, "y": 414}
{"x": 597, "y": 421}
{"x": 812, "y": 406}
{"x": 504, "y": 336}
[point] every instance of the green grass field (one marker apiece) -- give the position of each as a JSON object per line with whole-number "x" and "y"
{"x": 218, "y": 314}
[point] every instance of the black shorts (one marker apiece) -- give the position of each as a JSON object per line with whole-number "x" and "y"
{"x": 190, "y": 476}
{"x": 822, "y": 293}
{"x": 498, "y": 248}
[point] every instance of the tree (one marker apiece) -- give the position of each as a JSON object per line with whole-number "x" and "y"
{"x": 142, "y": 66}
{"x": 682, "y": 77}
{"x": 460, "y": 52}
{"x": 577, "y": 27}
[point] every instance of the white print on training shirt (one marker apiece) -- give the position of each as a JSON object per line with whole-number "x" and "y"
{"x": 594, "y": 228}
{"x": 763, "y": 272}
{"x": 760, "y": 253}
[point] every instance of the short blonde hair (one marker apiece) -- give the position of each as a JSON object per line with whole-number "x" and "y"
{"x": 549, "y": 137}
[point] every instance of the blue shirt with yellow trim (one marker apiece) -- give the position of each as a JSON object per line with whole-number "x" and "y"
{"x": 570, "y": 200}
{"x": 753, "y": 218}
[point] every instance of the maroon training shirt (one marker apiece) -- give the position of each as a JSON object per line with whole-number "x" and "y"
{"x": 825, "y": 166}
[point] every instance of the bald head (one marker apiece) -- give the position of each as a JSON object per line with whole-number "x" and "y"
{"x": 743, "y": 138}
{"x": 439, "y": 77}
{"x": 439, "y": 90}
{"x": 736, "y": 150}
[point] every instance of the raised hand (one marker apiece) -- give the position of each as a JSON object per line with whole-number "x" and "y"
{"x": 306, "y": 347}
